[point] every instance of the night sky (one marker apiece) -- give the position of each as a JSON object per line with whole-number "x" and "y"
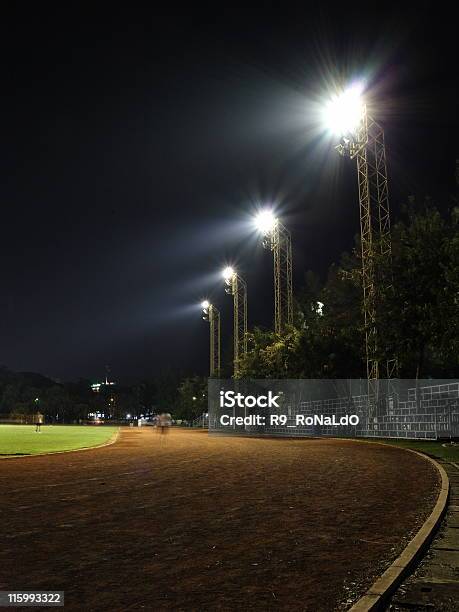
{"x": 136, "y": 145}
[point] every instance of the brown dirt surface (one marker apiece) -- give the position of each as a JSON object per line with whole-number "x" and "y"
{"x": 189, "y": 521}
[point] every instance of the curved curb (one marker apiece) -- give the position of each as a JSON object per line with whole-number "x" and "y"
{"x": 112, "y": 440}
{"x": 376, "y": 596}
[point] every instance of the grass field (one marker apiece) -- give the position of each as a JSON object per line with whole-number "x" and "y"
{"x": 23, "y": 440}
{"x": 440, "y": 450}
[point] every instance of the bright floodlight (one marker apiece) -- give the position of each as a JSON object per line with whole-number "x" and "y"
{"x": 265, "y": 221}
{"x": 343, "y": 113}
{"x": 205, "y": 304}
{"x": 228, "y": 273}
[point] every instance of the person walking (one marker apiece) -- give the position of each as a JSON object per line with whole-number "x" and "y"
{"x": 38, "y": 422}
{"x": 164, "y": 422}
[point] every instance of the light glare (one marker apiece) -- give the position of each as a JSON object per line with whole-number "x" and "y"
{"x": 228, "y": 273}
{"x": 265, "y": 221}
{"x": 343, "y": 113}
{"x": 205, "y": 304}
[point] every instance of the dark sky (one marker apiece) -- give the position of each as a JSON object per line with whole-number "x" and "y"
{"x": 137, "y": 143}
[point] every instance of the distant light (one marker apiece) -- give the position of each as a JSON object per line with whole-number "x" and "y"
{"x": 265, "y": 221}
{"x": 96, "y": 387}
{"x": 320, "y": 308}
{"x": 343, "y": 113}
{"x": 128, "y": 416}
{"x": 228, "y": 273}
{"x": 194, "y": 398}
{"x": 205, "y": 304}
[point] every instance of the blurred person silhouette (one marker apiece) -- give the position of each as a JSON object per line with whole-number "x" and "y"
{"x": 38, "y": 422}
{"x": 164, "y": 421}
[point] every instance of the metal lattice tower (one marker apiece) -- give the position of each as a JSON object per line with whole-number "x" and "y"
{"x": 280, "y": 242}
{"x": 211, "y": 314}
{"x": 237, "y": 287}
{"x": 368, "y": 148}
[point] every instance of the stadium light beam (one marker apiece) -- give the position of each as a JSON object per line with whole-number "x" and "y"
{"x": 343, "y": 113}
{"x": 228, "y": 273}
{"x": 265, "y": 222}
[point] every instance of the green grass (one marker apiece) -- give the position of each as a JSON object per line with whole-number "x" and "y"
{"x": 441, "y": 450}
{"x": 23, "y": 440}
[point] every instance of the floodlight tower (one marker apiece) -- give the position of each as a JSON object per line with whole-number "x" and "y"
{"x": 237, "y": 287}
{"x": 277, "y": 238}
{"x": 362, "y": 139}
{"x": 211, "y": 314}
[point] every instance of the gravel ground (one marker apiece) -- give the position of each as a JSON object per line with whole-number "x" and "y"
{"x": 188, "y": 521}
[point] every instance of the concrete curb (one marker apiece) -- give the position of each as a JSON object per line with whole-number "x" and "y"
{"x": 112, "y": 440}
{"x": 376, "y": 596}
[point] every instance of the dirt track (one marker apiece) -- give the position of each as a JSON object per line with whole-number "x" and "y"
{"x": 192, "y": 522}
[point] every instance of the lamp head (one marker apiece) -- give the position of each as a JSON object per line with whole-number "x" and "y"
{"x": 344, "y": 111}
{"x": 265, "y": 222}
{"x": 228, "y": 273}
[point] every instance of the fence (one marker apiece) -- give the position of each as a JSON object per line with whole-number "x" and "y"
{"x": 17, "y": 419}
{"x": 201, "y": 421}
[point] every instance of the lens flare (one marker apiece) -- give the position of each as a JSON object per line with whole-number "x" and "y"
{"x": 343, "y": 113}
{"x": 228, "y": 273}
{"x": 265, "y": 221}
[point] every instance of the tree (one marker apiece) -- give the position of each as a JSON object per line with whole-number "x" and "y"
{"x": 326, "y": 339}
{"x": 192, "y": 398}
{"x": 419, "y": 317}
{"x": 166, "y": 391}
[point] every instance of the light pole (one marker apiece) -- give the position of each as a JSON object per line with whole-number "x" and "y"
{"x": 237, "y": 287}
{"x": 362, "y": 139}
{"x": 211, "y": 314}
{"x": 277, "y": 238}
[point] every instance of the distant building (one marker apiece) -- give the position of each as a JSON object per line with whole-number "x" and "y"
{"x": 102, "y": 386}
